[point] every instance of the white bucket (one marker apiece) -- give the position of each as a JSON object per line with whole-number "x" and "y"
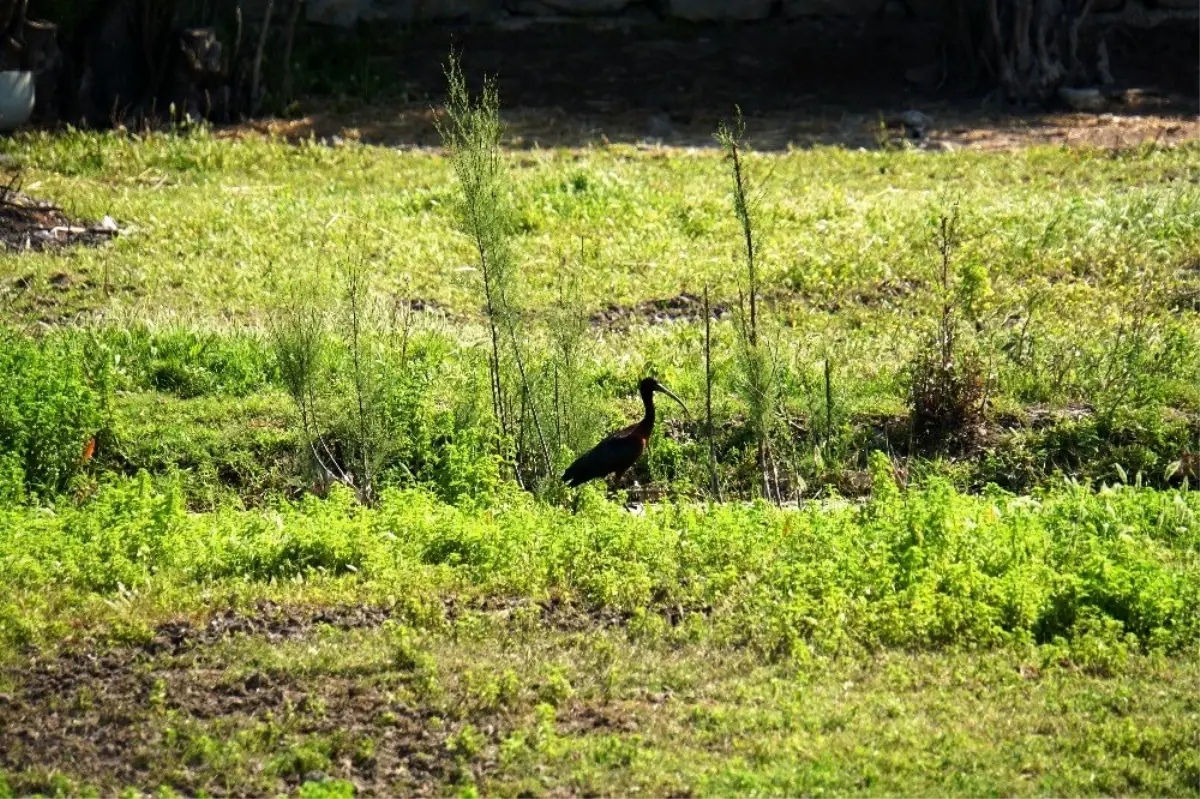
{"x": 16, "y": 98}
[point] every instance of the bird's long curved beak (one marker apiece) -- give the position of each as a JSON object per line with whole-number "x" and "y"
{"x": 671, "y": 394}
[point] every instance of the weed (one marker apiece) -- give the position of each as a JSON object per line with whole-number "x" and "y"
{"x": 49, "y": 410}
{"x": 947, "y": 390}
{"x": 472, "y": 138}
{"x": 759, "y": 384}
{"x": 326, "y": 789}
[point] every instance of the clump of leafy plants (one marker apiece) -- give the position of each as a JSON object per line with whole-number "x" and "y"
{"x": 52, "y": 407}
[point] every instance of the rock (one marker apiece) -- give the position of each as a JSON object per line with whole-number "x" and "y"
{"x": 914, "y": 123}
{"x": 1083, "y": 99}
{"x": 341, "y": 13}
{"x": 724, "y": 10}
{"x": 660, "y": 127}
{"x": 830, "y": 8}
{"x": 916, "y": 120}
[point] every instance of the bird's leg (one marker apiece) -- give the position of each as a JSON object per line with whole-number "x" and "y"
{"x": 616, "y": 479}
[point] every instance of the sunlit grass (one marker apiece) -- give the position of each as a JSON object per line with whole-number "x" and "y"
{"x": 936, "y": 635}
{"x": 215, "y": 223}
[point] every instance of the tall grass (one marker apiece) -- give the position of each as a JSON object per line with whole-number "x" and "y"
{"x": 758, "y": 365}
{"x": 471, "y": 134}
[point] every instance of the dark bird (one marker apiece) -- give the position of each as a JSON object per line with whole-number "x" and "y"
{"x": 618, "y": 452}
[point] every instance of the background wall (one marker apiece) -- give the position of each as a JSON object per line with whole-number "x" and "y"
{"x": 346, "y": 13}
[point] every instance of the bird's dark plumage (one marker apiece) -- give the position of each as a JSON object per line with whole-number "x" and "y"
{"x": 616, "y": 453}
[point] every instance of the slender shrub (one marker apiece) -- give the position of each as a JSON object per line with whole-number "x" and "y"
{"x": 471, "y": 131}
{"x": 758, "y": 383}
{"x": 947, "y": 390}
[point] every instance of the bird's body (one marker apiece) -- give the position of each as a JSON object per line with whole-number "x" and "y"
{"x": 620, "y": 450}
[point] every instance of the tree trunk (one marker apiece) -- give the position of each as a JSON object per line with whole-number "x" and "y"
{"x": 1035, "y": 48}
{"x": 1029, "y": 49}
{"x": 289, "y": 42}
{"x": 12, "y": 33}
{"x": 44, "y": 58}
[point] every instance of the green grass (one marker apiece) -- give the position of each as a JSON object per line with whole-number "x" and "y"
{"x": 181, "y": 615}
{"x": 513, "y": 713}
{"x": 216, "y": 221}
{"x": 930, "y": 642}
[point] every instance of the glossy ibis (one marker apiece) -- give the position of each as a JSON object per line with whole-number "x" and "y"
{"x": 618, "y": 452}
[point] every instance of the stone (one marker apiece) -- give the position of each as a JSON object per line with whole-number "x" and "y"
{"x": 719, "y": 10}
{"x": 830, "y": 8}
{"x": 916, "y": 120}
{"x": 1083, "y": 99}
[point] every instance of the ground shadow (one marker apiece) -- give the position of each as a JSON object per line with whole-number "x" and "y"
{"x": 821, "y": 82}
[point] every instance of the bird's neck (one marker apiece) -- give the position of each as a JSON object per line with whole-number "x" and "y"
{"x": 647, "y": 423}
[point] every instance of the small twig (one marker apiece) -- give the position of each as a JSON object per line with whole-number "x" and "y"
{"x": 828, "y": 404}
{"x": 714, "y": 483}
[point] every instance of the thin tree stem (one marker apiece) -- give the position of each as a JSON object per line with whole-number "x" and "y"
{"x": 714, "y": 484}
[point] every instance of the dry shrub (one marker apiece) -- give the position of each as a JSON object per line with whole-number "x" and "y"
{"x": 948, "y": 396}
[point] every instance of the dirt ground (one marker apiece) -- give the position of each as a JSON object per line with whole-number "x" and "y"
{"x": 953, "y": 128}
{"x": 141, "y": 713}
{"x": 798, "y": 84}
{"x": 27, "y": 223}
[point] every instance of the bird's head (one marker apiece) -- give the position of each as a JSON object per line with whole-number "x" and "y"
{"x": 649, "y": 385}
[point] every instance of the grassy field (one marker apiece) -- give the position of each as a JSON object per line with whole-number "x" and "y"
{"x": 188, "y": 609}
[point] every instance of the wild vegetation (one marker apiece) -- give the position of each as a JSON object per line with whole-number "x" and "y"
{"x": 279, "y": 508}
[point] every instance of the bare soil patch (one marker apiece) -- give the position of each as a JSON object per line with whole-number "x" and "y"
{"x": 142, "y": 715}
{"x": 94, "y": 716}
{"x": 953, "y": 127}
{"x": 27, "y": 223}
{"x": 680, "y": 308}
